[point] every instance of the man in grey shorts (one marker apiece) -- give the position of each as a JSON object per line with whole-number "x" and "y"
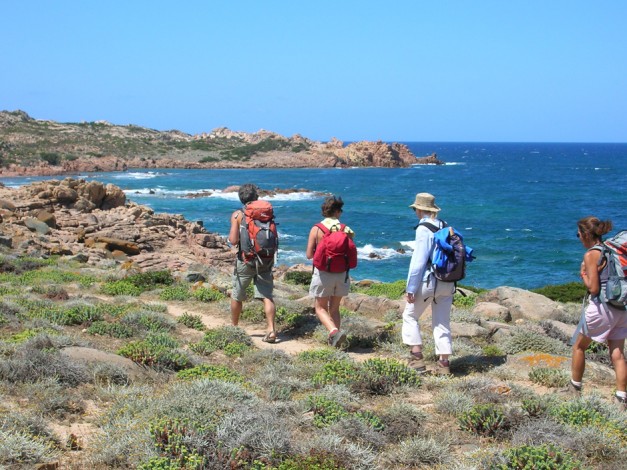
{"x": 261, "y": 275}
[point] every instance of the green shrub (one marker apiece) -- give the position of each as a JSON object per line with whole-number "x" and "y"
{"x": 523, "y": 339}
{"x": 287, "y": 319}
{"x": 253, "y": 313}
{"x": 300, "y": 278}
{"x": 534, "y": 406}
{"x": 321, "y": 355}
{"x": 148, "y": 321}
{"x": 464, "y": 301}
{"x": 122, "y": 287}
{"x": 157, "y": 350}
{"x": 483, "y": 419}
{"x": 213, "y": 372}
{"x": 116, "y": 330}
{"x": 175, "y": 292}
{"x": 53, "y": 158}
{"x": 492, "y": 350}
{"x": 570, "y": 292}
{"x": 391, "y": 290}
{"x": 60, "y": 314}
{"x": 548, "y": 377}
{"x": 313, "y": 461}
{"x": 171, "y": 437}
{"x": 150, "y": 280}
{"x": 589, "y": 412}
{"x": 236, "y": 349}
{"x": 336, "y": 372}
{"x": 545, "y": 456}
{"x": 192, "y": 321}
{"x": 208, "y": 294}
{"x": 392, "y": 370}
{"x": 219, "y": 338}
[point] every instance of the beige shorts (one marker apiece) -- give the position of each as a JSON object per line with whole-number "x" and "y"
{"x": 262, "y": 278}
{"x": 324, "y": 284}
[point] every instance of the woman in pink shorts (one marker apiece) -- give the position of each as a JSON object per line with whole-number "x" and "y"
{"x": 602, "y": 323}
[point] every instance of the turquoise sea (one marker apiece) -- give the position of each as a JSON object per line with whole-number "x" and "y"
{"x": 516, "y": 204}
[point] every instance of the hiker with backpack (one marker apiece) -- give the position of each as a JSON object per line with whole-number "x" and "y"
{"x": 253, "y": 231}
{"x": 423, "y": 289}
{"x": 604, "y": 318}
{"x": 330, "y": 245}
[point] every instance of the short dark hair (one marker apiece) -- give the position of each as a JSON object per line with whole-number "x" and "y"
{"x": 247, "y": 193}
{"x": 331, "y": 205}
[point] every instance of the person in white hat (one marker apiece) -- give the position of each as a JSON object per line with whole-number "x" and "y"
{"x": 423, "y": 290}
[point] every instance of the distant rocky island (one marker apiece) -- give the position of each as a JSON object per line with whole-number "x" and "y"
{"x": 30, "y": 146}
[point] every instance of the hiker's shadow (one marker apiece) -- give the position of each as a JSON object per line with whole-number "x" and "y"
{"x": 475, "y": 363}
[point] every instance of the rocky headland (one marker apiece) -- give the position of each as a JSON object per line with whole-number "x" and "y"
{"x": 38, "y": 147}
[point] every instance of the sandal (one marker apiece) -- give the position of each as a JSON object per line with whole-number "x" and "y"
{"x": 269, "y": 338}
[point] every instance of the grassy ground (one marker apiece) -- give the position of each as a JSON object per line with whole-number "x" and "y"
{"x": 103, "y": 369}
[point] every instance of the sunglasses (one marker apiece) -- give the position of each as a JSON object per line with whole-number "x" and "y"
{"x": 578, "y": 235}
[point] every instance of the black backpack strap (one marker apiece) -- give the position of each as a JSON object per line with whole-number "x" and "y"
{"x": 434, "y": 228}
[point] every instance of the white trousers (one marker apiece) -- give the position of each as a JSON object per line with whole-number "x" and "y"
{"x": 440, "y": 300}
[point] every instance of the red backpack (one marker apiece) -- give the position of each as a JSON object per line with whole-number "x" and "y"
{"x": 336, "y": 252}
{"x": 258, "y": 237}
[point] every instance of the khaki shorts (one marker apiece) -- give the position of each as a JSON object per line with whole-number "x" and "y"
{"x": 262, "y": 278}
{"x": 324, "y": 284}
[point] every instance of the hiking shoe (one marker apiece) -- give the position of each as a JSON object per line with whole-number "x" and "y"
{"x": 620, "y": 402}
{"x": 337, "y": 339}
{"x": 442, "y": 368}
{"x": 570, "y": 390}
{"x": 417, "y": 362}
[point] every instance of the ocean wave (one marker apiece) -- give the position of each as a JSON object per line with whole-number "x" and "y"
{"x": 370, "y": 252}
{"x": 454, "y": 163}
{"x": 159, "y": 191}
{"x": 138, "y": 175}
{"x": 233, "y": 196}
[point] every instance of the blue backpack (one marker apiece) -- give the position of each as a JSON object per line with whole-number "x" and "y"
{"x": 450, "y": 254}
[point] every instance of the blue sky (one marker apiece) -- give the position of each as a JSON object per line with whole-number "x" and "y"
{"x": 540, "y": 71}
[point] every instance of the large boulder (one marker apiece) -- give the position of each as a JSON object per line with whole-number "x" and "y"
{"x": 524, "y": 305}
{"x": 372, "y": 306}
{"x": 114, "y": 197}
{"x": 492, "y": 311}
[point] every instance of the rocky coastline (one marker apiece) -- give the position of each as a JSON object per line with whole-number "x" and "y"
{"x": 31, "y": 147}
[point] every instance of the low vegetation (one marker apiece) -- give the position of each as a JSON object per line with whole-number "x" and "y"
{"x": 185, "y": 393}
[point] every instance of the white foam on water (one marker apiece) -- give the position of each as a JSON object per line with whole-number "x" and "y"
{"x": 370, "y": 252}
{"x": 138, "y": 175}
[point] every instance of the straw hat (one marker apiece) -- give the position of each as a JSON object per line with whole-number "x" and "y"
{"x": 425, "y": 202}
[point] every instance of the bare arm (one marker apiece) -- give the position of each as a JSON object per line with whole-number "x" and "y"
{"x": 234, "y": 232}
{"x": 312, "y": 241}
{"x": 590, "y": 271}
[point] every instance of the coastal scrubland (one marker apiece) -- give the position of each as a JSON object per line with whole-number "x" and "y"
{"x": 110, "y": 367}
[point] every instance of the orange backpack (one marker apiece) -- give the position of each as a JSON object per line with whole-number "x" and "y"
{"x": 258, "y": 238}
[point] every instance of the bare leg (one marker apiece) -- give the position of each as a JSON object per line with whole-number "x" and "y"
{"x": 617, "y": 355}
{"x": 270, "y": 310}
{"x": 236, "y": 310}
{"x": 322, "y": 311}
{"x": 578, "y": 365}
{"x": 334, "y": 310}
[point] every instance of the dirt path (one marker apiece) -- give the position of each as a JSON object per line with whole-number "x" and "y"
{"x": 212, "y": 318}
